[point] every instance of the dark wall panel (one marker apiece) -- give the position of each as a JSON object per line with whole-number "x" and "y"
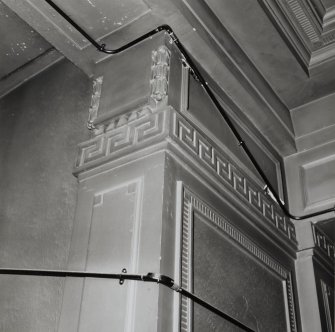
{"x": 230, "y": 279}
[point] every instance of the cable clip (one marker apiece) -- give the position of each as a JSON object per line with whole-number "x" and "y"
{"x": 173, "y": 37}
{"x": 185, "y": 63}
{"x": 102, "y": 48}
{"x": 121, "y": 281}
{"x": 266, "y": 189}
{"x": 176, "y": 288}
{"x": 195, "y": 76}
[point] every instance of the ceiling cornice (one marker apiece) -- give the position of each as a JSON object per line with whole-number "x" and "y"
{"x": 309, "y": 29}
{"x": 28, "y": 71}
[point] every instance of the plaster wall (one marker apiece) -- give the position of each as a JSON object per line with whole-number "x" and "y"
{"x": 140, "y": 172}
{"x": 210, "y": 261}
{"x": 41, "y": 124}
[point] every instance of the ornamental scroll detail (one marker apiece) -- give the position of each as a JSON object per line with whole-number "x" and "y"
{"x": 95, "y": 100}
{"x": 159, "y": 81}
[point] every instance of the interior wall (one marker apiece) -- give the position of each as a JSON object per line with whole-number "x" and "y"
{"x": 41, "y": 124}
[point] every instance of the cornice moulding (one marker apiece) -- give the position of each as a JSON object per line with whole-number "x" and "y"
{"x": 307, "y": 27}
{"x": 29, "y": 70}
{"x": 144, "y": 128}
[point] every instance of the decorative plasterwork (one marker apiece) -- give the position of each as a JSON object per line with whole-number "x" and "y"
{"x": 192, "y": 203}
{"x": 159, "y": 84}
{"x": 95, "y": 100}
{"x": 309, "y": 28}
{"x": 216, "y": 160}
{"x": 324, "y": 243}
{"x": 145, "y": 127}
{"x": 121, "y": 135}
{"x": 159, "y": 77}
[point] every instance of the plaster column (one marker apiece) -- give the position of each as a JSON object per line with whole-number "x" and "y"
{"x": 165, "y": 188}
{"x": 119, "y": 219}
{"x": 315, "y": 281}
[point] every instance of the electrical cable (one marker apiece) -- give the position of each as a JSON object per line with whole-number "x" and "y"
{"x": 149, "y": 277}
{"x": 198, "y": 76}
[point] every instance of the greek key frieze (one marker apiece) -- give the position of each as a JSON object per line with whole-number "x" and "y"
{"x": 122, "y": 133}
{"x": 324, "y": 243}
{"x": 225, "y": 169}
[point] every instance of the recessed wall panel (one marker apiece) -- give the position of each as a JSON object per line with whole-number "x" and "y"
{"x": 113, "y": 245}
{"x": 224, "y": 267}
{"x": 233, "y": 281}
{"x": 318, "y": 179}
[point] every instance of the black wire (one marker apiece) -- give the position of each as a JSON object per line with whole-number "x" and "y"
{"x": 149, "y": 277}
{"x": 204, "y": 84}
{"x": 215, "y": 310}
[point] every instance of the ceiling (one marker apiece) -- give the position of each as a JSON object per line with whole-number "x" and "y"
{"x": 259, "y": 34}
{"x": 291, "y": 62}
{"x": 19, "y": 43}
{"x": 282, "y": 51}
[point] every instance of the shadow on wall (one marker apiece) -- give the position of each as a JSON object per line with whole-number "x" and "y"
{"x": 41, "y": 123}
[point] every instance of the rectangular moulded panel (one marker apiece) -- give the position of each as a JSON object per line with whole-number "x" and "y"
{"x": 113, "y": 245}
{"x": 327, "y": 306}
{"x": 318, "y": 179}
{"x": 224, "y": 267}
{"x": 118, "y": 225}
{"x": 127, "y": 83}
{"x": 324, "y": 283}
{"x": 233, "y": 281}
{"x": 115, "y": 228}
{"x": 310, "y": 179}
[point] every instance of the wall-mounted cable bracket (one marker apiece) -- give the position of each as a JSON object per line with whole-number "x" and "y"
{"x": 186, "y": 59}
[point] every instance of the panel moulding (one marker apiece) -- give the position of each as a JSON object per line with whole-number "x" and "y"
{"x": 113, "y": 218}
{"x": 191, "y": 203}
{"x": 312, "y": 176}
{"x": 132, "y": 193}
{"x": 327, "y": 292}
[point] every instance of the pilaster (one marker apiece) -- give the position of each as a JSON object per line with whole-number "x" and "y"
{"x": 160, "y": 192}
{"x": 315, "y": 280}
